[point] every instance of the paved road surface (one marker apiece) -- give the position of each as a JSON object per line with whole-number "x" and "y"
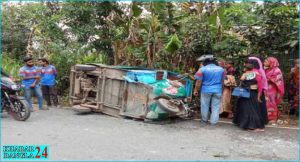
{"x": 101, "y": 137}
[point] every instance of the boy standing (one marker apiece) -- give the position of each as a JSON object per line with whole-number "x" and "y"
{"x": 48, "y": 74}
{"x": 30, "y": 81}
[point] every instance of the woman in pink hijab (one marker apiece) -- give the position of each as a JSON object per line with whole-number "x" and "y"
{"x": 263, "y": 104}
{"x": 275, "y": 88}
{"x": 262, "y": 72}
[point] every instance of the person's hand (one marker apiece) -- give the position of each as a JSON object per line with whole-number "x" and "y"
{"x": 32, "y": 85}
{"x": 259, "y": 99}
{"x": 267, "y": 99}
{"x": 37, "y": 77}
{"x": 195, "y": 93}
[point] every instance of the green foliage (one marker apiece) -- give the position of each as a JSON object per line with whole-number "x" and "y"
{"x": 94, "y": 58}
{"x": 11, "y": 66}
{"x": 198, "y": 36}
{"x": 276, "y": 29}
{"x": 229, "y": 47}
{"x": 88, "y": 19}
{"x": 174, "y": 44}
{"x": 162, "y": 35}
{"x": 137, "y": 10}
{"x": 14, "y": 31}
{"x": 240, "y": 14}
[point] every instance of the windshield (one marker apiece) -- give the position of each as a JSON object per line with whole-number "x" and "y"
{"x": 6, "y": 81}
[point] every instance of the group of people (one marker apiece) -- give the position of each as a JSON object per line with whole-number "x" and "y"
{"x": 40, "y": 81}
{"x": 263, "y": 80}
{"x": 215, "y": 82}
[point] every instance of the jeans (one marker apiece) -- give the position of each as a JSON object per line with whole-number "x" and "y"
{"x": 50, "y": 93}
{"x": 37, "y": 92}
{"x": 212, "y": 100}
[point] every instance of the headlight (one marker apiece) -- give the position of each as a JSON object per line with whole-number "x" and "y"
{"x": 15, "y": 87}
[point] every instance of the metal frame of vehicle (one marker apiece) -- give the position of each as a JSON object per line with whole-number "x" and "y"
{"x": 104, "y": 89}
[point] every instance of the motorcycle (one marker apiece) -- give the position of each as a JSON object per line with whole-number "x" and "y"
{"x": 11, "y": 102}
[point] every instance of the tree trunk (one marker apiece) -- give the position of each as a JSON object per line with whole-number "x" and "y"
{"x": 29, "y": 48}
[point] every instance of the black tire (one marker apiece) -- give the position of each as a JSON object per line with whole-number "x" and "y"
{"x": 22, "y": 112}
{"x": 85, "y": 67}
{"x": 162, "y": 96}
{"x": 167, "y": 105}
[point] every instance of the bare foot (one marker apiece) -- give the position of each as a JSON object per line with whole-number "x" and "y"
{"x": 259, "y": 130}
{"x": 255, "y": 130}
{"x": 230, "y": 116}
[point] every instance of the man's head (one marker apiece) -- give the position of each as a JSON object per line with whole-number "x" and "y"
{"x": 43, "y": 62}
{"x": 210, "y": 61}
{"x": 40, "y": 62}
{"x": 207, "y": 59}
{"x": 28, "y": 61}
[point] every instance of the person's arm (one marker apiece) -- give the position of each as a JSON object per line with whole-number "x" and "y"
{"x": 197, "y": 87}
{"x": 37, "y": 78}
{"x": 30, "y": 77}
{"x": 34, "y": 83}
{"x": 259, "y": 86}
{"x": 224, "y": 76}
{"x": 54, "y": 71}
{"x": 243, "y": 77}
{"x": 22, "y": 74}
{"x": 266, "y": 94}
{"x": 198, "y": 77}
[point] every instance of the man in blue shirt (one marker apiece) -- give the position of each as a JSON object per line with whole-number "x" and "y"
{"x": 31, "y": 82}
{"x": 210, "y": 80}
{"x": 48, "y": 74}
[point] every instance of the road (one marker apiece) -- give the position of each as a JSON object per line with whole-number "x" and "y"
{"x": 101, "y": 137}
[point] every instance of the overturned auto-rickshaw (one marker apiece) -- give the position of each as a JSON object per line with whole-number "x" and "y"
{"x": 134, "y": 92}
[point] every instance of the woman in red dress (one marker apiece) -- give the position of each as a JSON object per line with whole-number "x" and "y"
{"x": 275, "y": 88}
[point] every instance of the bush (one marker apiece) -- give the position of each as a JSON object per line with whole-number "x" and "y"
{"x": 11, "y": 66}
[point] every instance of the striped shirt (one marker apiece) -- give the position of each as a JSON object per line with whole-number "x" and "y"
{"x": 26, "y": 71}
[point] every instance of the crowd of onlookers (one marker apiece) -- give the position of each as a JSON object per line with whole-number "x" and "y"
{"x": 39, "y": 80}
{"x": 260, "y": 89}
{"x": 259, "y": 92}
